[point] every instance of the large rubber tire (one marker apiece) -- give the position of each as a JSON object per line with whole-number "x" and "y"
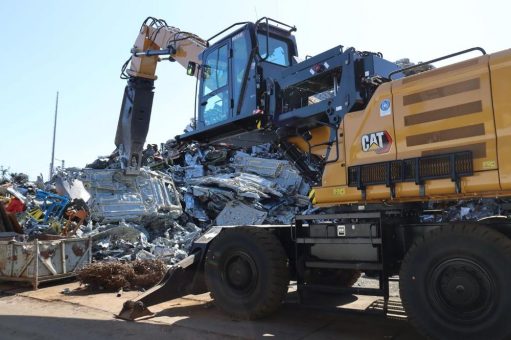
{"x": 454, "y": 283}
{"x": 247, "y": 272}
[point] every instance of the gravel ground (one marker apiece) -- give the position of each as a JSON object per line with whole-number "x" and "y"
{"x": 371, "y": 282}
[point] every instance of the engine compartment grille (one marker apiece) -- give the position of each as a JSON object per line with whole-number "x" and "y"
{"x": 418, "y": 170}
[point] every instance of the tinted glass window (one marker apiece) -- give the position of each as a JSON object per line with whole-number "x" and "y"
{"x": 240, "y": 47}
{"x": 215, "y": 93}
{"x": 216, "y": 108}
{"x": 278, "y": 49}
{"x": 215, "y": 70}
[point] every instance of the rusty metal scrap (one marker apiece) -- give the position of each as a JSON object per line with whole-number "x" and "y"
{"x": 122, "y": 275}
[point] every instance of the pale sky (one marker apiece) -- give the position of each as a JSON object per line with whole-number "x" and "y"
{"x": 78, "y": 48}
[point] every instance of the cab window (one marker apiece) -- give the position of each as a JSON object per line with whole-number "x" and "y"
{"x": 278, "y": 50}
{"x": 215, "y": 92}
{"x": 215, "y": 70}
{"x": 241, "y": 51}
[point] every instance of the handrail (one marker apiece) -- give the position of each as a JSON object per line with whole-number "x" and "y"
{"x": 228, "y": 28}
{"x": 291, "y": 29}
{"x": 437, "y": 59}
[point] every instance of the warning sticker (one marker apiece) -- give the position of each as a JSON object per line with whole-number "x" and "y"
{"x": 385, "y": 108}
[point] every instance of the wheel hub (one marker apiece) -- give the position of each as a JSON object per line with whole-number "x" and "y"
{"x": 240, "y": 272}
{"x": 461, "y": 289}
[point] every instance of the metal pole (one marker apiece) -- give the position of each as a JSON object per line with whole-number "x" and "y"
{"x": 54, "y": 134}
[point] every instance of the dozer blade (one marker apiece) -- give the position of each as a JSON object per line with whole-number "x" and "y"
{"x": 181, "y": 279}
{"x": 132, "y": 310}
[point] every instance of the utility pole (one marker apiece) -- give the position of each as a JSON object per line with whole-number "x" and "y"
{"x": 54, "y": 134}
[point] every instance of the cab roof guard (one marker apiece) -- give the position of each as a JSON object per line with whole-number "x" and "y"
{"x": 257, "y": 24}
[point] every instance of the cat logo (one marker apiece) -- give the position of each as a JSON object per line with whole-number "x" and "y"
{"x": 379, "y": 142}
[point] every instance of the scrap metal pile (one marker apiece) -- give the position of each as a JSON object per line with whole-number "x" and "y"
{"x": 156, "y": 214}
{"x": 36, "y": 211}
{"x": 232, "y": 187}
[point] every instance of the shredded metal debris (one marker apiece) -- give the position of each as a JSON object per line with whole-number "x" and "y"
{"x": 157, "y": 212}
{"x": 122, "y": 275}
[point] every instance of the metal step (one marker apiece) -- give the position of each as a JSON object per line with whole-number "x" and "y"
{"x": 354, "y": 240}
{"x": 344, "y": 265}
{"x": 342, "y": 290}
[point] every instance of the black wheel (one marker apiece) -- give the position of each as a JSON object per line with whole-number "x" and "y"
{"x": 247, "y": 273}
{"x": 454, "y": 283}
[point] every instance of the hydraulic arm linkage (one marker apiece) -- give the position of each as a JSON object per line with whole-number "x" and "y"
{"x": 155, "y": 39}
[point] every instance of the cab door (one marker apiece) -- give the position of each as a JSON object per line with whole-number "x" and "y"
{"x": 215, "y": 98}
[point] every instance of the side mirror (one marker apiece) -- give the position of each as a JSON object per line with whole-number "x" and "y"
{"x": 190, "y": 70}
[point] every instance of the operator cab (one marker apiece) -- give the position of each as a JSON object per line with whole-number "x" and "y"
{"x": 231, "y": 93}
{"x": 252, "y": 90}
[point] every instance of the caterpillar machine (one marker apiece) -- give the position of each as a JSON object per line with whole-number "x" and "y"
{"x": 382, "y": 151}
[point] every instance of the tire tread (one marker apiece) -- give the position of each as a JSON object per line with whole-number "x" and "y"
{"x": 500, "y": 240}
{"x": 278, "y": 270}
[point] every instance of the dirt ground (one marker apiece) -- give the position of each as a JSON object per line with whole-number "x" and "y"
{"x": 48, "y": 313}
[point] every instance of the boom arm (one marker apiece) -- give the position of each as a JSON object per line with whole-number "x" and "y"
{"x": 155, "y": 38}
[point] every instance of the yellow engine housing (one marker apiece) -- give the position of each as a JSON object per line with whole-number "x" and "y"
{"x": 460, "y": 107}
